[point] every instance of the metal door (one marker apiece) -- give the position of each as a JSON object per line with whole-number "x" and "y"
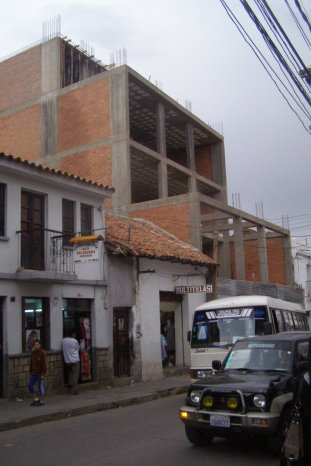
{"x": 121, "y": 342}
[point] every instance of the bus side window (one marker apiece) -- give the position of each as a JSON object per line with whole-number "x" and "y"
{"x": 289, "y": 324}
{"x": 278, "y": 320}
{"x": 296, "y": 321}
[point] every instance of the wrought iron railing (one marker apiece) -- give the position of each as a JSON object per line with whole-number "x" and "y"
{"x": 46, "y": 250}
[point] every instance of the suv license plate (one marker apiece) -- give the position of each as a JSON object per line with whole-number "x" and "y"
{"x": 217, "y": 420}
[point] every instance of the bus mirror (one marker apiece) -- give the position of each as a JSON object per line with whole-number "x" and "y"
{"x": 189, "y": 335}
{"x": 216, "y": 365}
{"x": 267, "y": 328}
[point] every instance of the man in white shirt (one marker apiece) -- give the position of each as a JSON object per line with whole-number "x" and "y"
{"x": 71, "y": 349}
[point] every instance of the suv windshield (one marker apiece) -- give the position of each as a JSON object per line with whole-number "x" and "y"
{"x": 260, "y": 356}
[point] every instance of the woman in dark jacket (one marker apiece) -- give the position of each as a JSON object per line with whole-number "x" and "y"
{"x": 302, "y": 393}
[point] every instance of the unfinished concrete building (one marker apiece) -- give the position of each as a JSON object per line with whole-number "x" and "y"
{"x": 62, "y": 108}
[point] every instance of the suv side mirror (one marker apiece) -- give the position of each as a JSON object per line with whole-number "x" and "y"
{"x": 189, "y": 336}
{"x": 267, "y": 328}
{"x": 216, "y": 365}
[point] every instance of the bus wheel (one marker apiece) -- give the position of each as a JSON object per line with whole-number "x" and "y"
{"x": 198, "y": 437}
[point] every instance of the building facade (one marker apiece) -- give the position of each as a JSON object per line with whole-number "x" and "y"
{"x": 113, "y": 126}
{"x": 47, "y": 285}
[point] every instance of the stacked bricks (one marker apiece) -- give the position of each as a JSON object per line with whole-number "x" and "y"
{"x": 93, "y": 164}
{"x": 19, "y": 374}
{"x": 174, "y": 218}
{"x": 104, "y": 372}
{"x": 275, "y": 258}
{"x": 84, "y": 115}
{"x": 20, "y": 78}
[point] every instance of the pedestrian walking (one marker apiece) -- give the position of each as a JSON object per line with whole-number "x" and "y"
{"x": 37, "y": 370}
{"x": 302, "y": 396}
{"x": 71, "y": 347}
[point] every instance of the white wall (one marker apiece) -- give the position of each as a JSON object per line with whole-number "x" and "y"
{"x": 165, "y": 277}
{"x": 301, "y": 251}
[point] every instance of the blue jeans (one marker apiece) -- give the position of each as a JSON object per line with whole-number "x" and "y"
{"x": 32, "y": 380}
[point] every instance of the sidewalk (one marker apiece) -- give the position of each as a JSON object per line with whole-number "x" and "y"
{"x": 14, "y": 414}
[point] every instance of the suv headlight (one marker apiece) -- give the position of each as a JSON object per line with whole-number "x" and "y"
{"x": 259, "y": 400}
{"x": 195, "y": 396}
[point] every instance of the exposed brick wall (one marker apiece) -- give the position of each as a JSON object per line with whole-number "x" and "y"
{"x": 20, "y": 133}
{"x": 172, "y": 218}
{"x": 276, "y": 261}
{"x": 203, "y": 161}
{"x": 93, "y": 164}
{"x": 84, "y": 115}
{"x": 252, "y": 266}
{"x": 19, "y": 374}
{"x": 20, "y": 78}
{"x": 104, "y": 372}
{"x": 275, "y": 258}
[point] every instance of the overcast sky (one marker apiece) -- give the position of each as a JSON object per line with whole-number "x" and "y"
{"x": 196, "y": 52}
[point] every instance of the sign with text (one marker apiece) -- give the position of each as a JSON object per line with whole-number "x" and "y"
{"x": 194, "y": 289}
{"x": 86, "y": 252}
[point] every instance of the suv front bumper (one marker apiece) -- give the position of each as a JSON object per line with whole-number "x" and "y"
{"x": 251, "y": 422}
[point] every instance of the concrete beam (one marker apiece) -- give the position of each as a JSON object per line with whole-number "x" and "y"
{"x": 222, "y": 207}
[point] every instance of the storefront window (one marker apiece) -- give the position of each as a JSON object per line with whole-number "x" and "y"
{"x": 35, "y": 320}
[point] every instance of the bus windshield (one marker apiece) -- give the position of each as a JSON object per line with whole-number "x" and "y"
{"x": 223, "y": 327}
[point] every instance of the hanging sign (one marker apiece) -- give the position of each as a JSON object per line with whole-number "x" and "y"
{"x": 86, "y": 252}
{"x": 194, "y": 289}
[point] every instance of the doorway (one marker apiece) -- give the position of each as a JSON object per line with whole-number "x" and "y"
{"x": 171, "y": 327}
{"x": 121, "y": 342}
{"x": 77, "y": 318}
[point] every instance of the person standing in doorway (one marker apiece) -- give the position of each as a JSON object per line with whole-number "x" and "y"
{"x": 70, "y": 347}
{"x": 37, "y": 369}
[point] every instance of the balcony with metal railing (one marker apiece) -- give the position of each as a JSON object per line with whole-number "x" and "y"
{"x": 45, "y": 255}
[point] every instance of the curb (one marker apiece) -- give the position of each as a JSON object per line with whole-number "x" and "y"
{"x": 88, "y": 409}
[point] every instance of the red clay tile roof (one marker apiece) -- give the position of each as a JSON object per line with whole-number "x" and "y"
{"x": 52, "y": 170}
{"x": 140, "y": 237}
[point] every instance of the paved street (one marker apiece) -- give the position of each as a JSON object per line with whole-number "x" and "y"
{"x": 145, "y": 434}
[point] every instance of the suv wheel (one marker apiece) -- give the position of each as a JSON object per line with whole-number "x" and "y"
{"x": 198, "y": 437}
{"x": 275, "y": 441}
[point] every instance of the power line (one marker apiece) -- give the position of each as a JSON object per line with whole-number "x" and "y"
{"x": 266, "y": 65}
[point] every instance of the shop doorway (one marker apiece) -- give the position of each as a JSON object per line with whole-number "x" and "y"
{"x": 77, "y": 318}
{"x": 171, "y": 327}
{"x": 121, "y": 342}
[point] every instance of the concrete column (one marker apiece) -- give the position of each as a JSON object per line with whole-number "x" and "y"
{"x": 224, "y": 269}
{"x": 161, "y": 148}
{"x": 120, "y": 132}
{"x": 190, "y": 148}
{"x": 239, "y": 248}
{"x": 262, "y": 254}
{"x": 195, "y": 221}
{"x": 289, "y": 268}
{"x": 162, "y": 179}
{"x": 219, "y": 169}
{"x": 50, "y": 82}
{"x": 161, "y": 137}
